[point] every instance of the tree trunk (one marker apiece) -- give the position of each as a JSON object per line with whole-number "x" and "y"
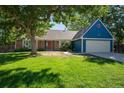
{"x": 33, "y": 43}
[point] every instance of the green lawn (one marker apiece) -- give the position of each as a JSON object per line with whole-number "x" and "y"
{"x": 21, "y": 70}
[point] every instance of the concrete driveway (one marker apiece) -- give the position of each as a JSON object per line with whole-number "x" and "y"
{"x": 113, "y": 56}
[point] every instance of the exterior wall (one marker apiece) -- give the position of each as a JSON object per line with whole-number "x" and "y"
{"x": 60, "y": 42}
{"x": 77, "y": 45}
{"x": 56, "y": 45}
{"x": 18, "y": 44}
{"x": 48, "y": 45}
{"x": 84, "y": 45}
{"x": 41, "y": 44}
{"x": 25, "y": 43}
{"x": 98, "y": 30}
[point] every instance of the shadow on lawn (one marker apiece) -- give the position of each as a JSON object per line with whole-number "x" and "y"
{"x": 10, "y": 57}
{"x": 100, "y": 61}
{"x": 24, "y": 78}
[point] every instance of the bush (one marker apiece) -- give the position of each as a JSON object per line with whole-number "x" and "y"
{"x": 66, "y": 46}
{"x": 22, "y": 50}
{"x": 41, "y": 49}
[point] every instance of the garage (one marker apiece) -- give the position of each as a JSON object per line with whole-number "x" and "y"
{"x": 77, "y": 46}
{"x": 95, "y": 38}
{"x": 97, "y": 46}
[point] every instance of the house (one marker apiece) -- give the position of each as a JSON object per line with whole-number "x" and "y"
{"x": 95, "y": 38}
{"x": 52, "y": 40}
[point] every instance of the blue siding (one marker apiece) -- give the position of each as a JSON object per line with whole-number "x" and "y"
{"x": 84, "y": 45}
{"x": 77, "y": 45}
{"x": 98, "y": 30}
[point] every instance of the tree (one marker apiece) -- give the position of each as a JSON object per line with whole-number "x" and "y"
{"x": 115, "y": 23}
{"x": 77, "y": 17}
{"x": 7, "y": 32}
{"x": 28, "y": 20}
{"x": 33, "y": 20}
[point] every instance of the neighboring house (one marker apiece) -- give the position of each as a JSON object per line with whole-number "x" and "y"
{"x": 52, "y": 40}
{"x": 95, "y": 38}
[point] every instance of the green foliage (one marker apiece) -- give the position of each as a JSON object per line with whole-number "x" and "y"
{"x": 28, "y": 20}
{"x": 21, "y": 70}
{"x": 22, "y": 50}
{"x": 66, "y": 46}
{"x": 34, "y": 20}
{"x": 115, "y": 22}
{"x": 7, "y": 30}
{"x": 41, "y": 49}
{"x": 7, "y": 37}
{"x": 77, "y": 17}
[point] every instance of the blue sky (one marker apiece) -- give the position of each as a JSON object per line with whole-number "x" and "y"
{"x": 56, "y": 26}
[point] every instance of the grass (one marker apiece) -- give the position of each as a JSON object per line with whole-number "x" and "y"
{"x": 21, "y": 70}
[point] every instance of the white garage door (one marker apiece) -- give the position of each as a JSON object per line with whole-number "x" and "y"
{"x": 97, "y": 46}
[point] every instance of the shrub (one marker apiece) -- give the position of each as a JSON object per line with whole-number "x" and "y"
{"x": 66, "y": 46}
{"x": 22, "y": 50}
{"x": 41, "y": 49}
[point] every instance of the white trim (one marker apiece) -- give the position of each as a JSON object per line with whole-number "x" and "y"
{"x": 99, "y": 38}
{"x": 15, "y": 44}
{"x": 90, "y": 27}
{"x": 59, "y": 44}
{"x": 93, "y": 25}
{"x": 55, "y": 39}
{"x": 75, "y": 39}
{"x": 106, "y": 28}
{"x": 36, "y": 44}
{"x": 22, "y": 43}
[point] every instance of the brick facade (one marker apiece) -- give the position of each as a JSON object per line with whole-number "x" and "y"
{"x": 41, "y": 44}
{"x": 48, "y": 45}
{"x": 18, "y": 44}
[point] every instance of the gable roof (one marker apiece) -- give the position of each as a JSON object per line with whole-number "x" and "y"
{"x": 84, "y": 31}
{"x": 58, "y": 35}
{"x": 79, "y": 34}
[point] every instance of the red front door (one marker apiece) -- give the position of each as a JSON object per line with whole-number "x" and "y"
{"x": 49, "y": 45}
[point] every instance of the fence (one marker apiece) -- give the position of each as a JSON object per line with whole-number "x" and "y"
{"x": 121, "y": 48}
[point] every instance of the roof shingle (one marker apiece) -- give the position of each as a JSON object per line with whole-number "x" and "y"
{"x": 58, "y": 35}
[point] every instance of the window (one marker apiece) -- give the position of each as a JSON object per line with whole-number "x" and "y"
{"x": 26, "y": 43}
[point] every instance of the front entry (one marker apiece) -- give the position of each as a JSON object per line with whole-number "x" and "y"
{"x": 49, "y": 45}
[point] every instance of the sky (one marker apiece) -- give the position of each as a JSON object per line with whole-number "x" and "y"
{"x": 56, "y": 26}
